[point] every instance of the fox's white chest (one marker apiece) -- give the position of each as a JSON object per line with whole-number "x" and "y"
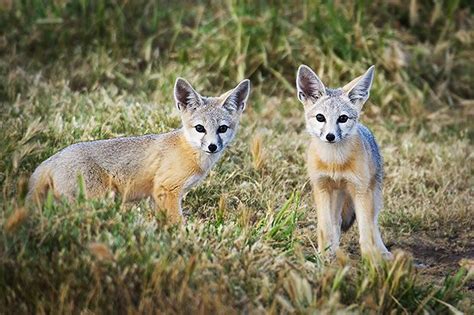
{"x": 338, "y": 162}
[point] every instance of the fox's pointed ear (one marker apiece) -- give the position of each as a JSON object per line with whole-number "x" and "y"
{"x": 237, "y": 98}
{"x": 185, "y": 96}
{"x": 358, "y": 90}
{"x": 308, "y": 84}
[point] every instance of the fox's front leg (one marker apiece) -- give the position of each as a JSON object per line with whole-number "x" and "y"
{"x": 169, "y": 201}
{"x": 328, "y": 236}
{"x": 366, "y": 209}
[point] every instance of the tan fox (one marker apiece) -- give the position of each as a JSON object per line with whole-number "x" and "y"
{"x": 343, "y": 161}
{"x": 162, "y": 166}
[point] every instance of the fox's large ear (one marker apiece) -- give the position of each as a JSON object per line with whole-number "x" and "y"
{"x": 237, "y": 98}
{"x": 358, "y": 90}
{"x": 308, "y": 84}
{"x": 185, "y": 96}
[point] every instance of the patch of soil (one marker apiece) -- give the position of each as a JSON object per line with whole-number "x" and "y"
{"x": 437, "y": 257}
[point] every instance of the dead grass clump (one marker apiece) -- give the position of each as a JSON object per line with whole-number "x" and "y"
{"x": 258, "y": 152}
{"x": 18, "y": 216}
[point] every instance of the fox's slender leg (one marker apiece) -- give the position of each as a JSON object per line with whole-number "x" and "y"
{"x": 168, "y": 201}
{"x": 328, "y": 238}
{"x": 364, "y": 207}
{"x": 369, "y": 235}
{"x": 378, "y": 203}
{"x": 337, "y": 202}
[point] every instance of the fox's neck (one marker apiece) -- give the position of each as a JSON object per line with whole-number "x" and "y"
{"x": 338, "y": 153}
{"x": 202, "y": 159}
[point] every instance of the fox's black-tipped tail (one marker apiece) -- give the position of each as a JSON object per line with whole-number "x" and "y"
{"x": 348, "y": 216}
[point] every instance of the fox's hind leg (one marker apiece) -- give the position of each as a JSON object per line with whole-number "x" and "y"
{"x": 39, "y": 185}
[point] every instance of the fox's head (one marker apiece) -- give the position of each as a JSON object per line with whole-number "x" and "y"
{"x": 210, "y": 123}
{"x": 332, "y": 114}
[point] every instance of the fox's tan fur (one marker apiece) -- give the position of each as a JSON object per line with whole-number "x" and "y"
{"x": 163, "y": 167}
{"x": 345, "y": 169}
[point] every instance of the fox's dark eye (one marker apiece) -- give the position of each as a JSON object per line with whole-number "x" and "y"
{"x": 222, "y": 129}
{"x": 342, "y": 119}
{"x": 200, "y": 128}
{"x": 320, "y": 118}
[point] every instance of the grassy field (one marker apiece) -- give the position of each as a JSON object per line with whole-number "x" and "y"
{"x": 80, "y": 70}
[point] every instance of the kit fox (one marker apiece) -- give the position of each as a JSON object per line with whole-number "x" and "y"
{"x": 343, "y": 161}
{"x": 162, "y": 166}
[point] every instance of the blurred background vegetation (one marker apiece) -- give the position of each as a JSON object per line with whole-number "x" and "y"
{"x": 422, "y": 49}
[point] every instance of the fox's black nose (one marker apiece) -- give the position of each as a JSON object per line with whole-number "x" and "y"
{"x": 212, "y": 147}
{"x": 330, "y": 137}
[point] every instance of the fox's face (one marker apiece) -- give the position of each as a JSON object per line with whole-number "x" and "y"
{"x": 210, "y": 123}
{"x": 332, "y": 114}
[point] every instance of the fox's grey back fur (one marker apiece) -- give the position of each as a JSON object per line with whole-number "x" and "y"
{"x": 96, "y": 160}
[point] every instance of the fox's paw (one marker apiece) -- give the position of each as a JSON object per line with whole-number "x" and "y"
{"x": 185, "y": 214}
{"x": 377, "y": 255}
{"x": 387, "y": 255}
{"x": 328, "y": 255}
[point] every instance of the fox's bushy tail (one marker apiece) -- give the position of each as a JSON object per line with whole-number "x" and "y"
{"x": 348, "y": 215}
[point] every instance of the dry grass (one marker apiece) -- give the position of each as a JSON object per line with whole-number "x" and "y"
{"x": 75, "y": 71}
{"x": 258, "y": 152}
